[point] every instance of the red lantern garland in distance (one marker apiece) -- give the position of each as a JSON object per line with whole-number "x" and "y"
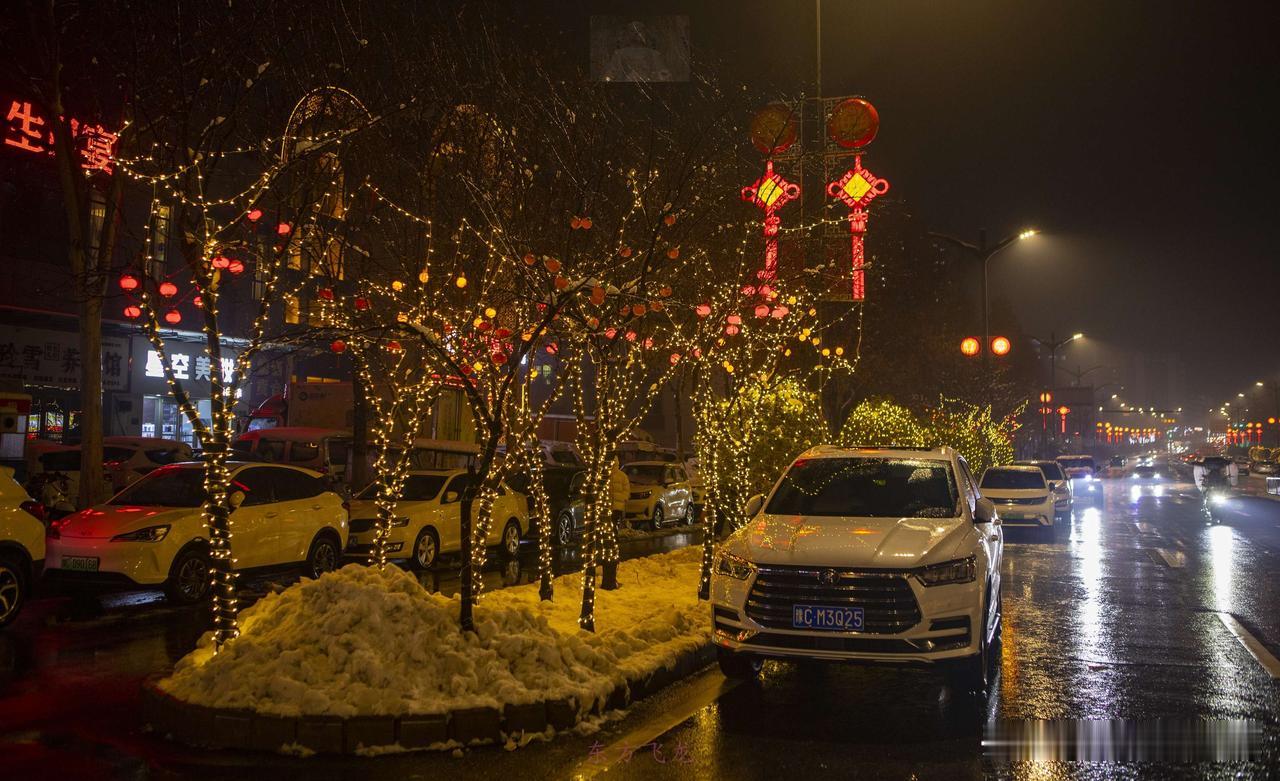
{"x": 133, "y": 311}
{"x": 173, "y": 317}
{"x": 129, "y": 282}
{"x": 167, "y": 289}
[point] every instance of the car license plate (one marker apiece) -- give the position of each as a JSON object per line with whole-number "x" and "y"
{"x": 848, "y": 619}
{"x": 80, "y": 563}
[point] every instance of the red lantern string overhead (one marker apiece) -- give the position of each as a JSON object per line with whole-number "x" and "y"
{"x": 254, "y": 215}
{"x": 167, "y": 289}
{"x": 362, "y": 304}
{"x": 235, "y": 267}
{"x": 133, "y": 311}
{"x": 220, "y": 261}
{"x": 129, "y": 282}
{"x": 338, "y": 346}
{"x": 197, "y": 302}
{"x": 173, "y": 317}
{"x": 284, "y": 228}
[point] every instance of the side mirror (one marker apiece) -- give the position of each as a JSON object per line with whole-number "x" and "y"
{"x": 984, "y": 511}
{"x": 236, "y": 499}
{"x": 450, "y": 497}
{"x": 753, "y": 506}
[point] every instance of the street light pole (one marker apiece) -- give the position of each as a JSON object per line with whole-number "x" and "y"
{"x": 1054, "y": 346}
{"x": 984, "y": 253}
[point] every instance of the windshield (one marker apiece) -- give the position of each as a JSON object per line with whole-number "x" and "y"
{"x": 645, "y": 474}
{"x": 1051, "y": 470}
{"x": 1076, "y": 462}
{"x": 1012, "y": 478}
{"x": 868, "y": 488}
{"x": 165, "y": 488}
{"x": 417, "y": 488}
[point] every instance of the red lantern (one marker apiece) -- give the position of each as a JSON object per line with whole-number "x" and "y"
{"x": 853, "y": 123}
{"x": 498, "y": 358}
{"x": 197, "y": 302}
{"x": 675, "y": 358}
{"x": 254, "y": 215}
{"x": 284, "y": 228}
{"x": 393, "y": 346}
{"x": 970, "y": 346}
{"x": 734, "y": 320}
{"x": 338, "y": 346}
{"x": 129, "y": 282}
{"x": 168, "y": 289}
{"x": 502, "y": 333}
{"x": 326, "y": 293}
{"x": 220, "y": 261}
{"x": 362, "y": 303}
{"x": 762, "y": 310}
{"x": 173, "y": 317}
{"x": 552, "y": 349}
{"x": 235, "y": 267}
{"x": 133, "y": 311}
{"x": 703, "y": 310}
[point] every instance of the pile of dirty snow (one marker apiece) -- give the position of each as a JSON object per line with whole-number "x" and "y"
{"x": 362, "y": 642}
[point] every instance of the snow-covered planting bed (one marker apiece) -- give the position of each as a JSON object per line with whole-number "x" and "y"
{"x": 359, "y": 642}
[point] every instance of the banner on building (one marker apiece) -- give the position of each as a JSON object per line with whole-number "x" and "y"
{"x": 37, "y": 357}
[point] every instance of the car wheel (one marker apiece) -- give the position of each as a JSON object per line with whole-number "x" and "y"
{"x": 740, "y": 666}
{"x": 13, "y": 589}
{"x": 323, "y": 556}
{"x": 188, "y": 581}
{"x": 656, "y": 521}
{"x": 511, "y": 539}
{"x": 564, "y": 529}
{"x": 971, "y": 676}
{"x": 426, "y": 549}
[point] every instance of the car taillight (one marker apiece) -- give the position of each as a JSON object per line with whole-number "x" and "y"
{"x": 54, "y": 532}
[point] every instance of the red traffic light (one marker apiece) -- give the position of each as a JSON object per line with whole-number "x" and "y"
{"x": 1000, "y": 346}
{"x": 970, "y": 346}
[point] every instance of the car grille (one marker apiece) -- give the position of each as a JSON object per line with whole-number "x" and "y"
{"x": 888, "y": 603}
{"x": 1025, "y": 500}
{"x": 358, "y": 525}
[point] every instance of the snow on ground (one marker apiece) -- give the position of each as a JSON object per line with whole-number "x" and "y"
{"x": 362, "y": 642}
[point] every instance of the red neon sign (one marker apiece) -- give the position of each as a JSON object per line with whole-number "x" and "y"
{"x": 770, "y": 193}
{"x": 858, "y": 188}
{"x": 27, "y": 130}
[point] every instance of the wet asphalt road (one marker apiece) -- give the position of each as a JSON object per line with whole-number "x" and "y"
{"x": 1125, "y": 617}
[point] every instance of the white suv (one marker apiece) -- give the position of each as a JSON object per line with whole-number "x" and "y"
{"x": 873, "y": 555}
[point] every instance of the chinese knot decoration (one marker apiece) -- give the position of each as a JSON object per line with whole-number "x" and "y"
{"x": 858, "y": 188}
{"x": 770, "y": 192}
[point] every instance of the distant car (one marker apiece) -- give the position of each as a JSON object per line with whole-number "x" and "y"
{"x": 22, "y": 546}
{"x": 561, "y": 488}
{"x": 428, "y": 519}
{"x": 124, "y": 460}
{"x": 660, "y": 493}
{"x": 1242, "y": 465}
{"x": 1264, "y": 467}
{"x": 324, "y": 450}
{"x": 1058, "y": 484}
{"x": 153, "y": 533}
{"x": 1146, "y": 472}
{"x": 1022, "y": 497}
{"x": 1081, "y": 470}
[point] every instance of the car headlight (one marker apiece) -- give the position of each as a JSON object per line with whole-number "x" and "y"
{"x": 733, "y": 566}
{"x": 958, "y": 571}
{"x": 149, "y": 534}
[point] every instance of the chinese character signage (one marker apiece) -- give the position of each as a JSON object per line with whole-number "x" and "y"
{"x": 34, "y": 356}
{"x": 189, "y": 363}
{"x": 26, "y": 130}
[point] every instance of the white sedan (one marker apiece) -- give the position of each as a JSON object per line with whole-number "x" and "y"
{"x": 153, "y": 533}
{"x": 428, "y": 519}
{"x": 21, "y": 546}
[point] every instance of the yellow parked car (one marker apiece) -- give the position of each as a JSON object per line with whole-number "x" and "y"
{"x": 428, "y": 519}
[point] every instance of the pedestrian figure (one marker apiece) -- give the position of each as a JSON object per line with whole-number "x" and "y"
{"x": 619, "y": 493}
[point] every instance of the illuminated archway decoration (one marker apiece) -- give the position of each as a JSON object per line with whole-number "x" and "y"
{"x": 770, "y": 193}
{"x": 858, "y": 188}
{"x": 325, "y": 109}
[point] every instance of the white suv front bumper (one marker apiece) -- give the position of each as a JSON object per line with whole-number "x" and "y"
{"x": 905, "y": 621}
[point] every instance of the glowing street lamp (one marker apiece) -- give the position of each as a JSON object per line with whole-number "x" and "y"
{"x": 1000, "y": 345}
{"x": 970, "y": 346}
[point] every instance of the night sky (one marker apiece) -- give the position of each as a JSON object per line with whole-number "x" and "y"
{"x": 1138, "y": 136}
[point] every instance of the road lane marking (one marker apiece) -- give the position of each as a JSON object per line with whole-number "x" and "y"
{"x": 708, "y": 688}
{"x": 1174, "y": 559}
{"x": 1145, "y": 528}
{"x": 1251, "y": 644}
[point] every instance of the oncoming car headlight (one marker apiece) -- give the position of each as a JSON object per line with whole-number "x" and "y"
{"x": 734, "y": 566}
{"x": 149, "y": 534}
{"x": 947, "y": 573}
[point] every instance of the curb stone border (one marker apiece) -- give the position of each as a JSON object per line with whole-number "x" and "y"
{"x": 236, "y": 728}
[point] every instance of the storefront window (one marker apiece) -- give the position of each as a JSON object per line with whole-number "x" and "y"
{"x": 163, "y": 418}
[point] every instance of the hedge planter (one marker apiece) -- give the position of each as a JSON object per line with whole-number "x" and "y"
{"x": 203, "y": 727}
